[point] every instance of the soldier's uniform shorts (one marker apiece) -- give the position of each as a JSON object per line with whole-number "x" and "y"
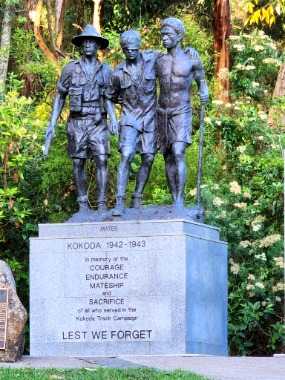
{"x": 174, "y": 125}
{"x": 87, "y": 137}
{"x": 143, "y": 142}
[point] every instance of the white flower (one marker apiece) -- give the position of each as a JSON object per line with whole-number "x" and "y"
{"x": 259, "y": 285}
{"x": 235, "y": 187}
{"x": 246, "y": 194}
{"x": 239, "y": 47}
{"x": 239, "y": 66}
{"x": 262, "y": 115}
{"x": 217, "y": 201}
{"x": 207, "y": 120}
{"x": 218, "y": 122}
{"x": 240, "y": 205}
{"x": 278, "y": 287}
{"x": 245, "y": 244}
{"x": 251, "y": 277}
{"x": 217, "y": 101}
{"x": 255, "y": 84}
{"x": 261, "y": 256}
{"x": 270, "y": 60}
{"x": 241, "y": 149}
{"x": 258, "y": 48}
{"x": 247, "y": 36}
{"x": 269, "y": 240}
{"x": 271, "y": 45}
{"x": 193, "y": 192}
{"x": 232, "y": 37}
{"x": 279, "y": 261}
{"x": 249, "y": 67}
{"x": 235, "y": 268}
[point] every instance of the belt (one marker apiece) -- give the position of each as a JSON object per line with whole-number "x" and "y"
{"x": 93, "y": 104}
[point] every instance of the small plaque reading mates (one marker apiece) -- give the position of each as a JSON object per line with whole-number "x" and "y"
{"x": 3, "y": 316}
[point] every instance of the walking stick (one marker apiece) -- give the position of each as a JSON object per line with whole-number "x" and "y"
{"x": 200, "y": 161}
{"x": 47, "y": 145}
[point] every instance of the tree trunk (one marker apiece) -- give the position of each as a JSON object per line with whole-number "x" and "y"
{"x": 277, "y": 117}
{"x": 97, "y": 15}
{"x": 39, "y": 38}
{"x": 221, "y": 28}
{"x": 60, "y": 12}
{"x": 5, "y": 42}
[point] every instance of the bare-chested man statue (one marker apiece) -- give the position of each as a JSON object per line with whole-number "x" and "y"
{"x": 176, "y": 70}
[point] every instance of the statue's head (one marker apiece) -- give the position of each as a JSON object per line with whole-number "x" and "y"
{"x": 90, "y": 33}
{"x": 130, "y": 40}
{"x": 175, "y": 24}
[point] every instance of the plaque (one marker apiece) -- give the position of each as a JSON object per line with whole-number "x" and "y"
{"x": 3, "y": 316}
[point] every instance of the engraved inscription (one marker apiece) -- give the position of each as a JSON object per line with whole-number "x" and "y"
{"x": 110, "y": 335}
{"x": 3, "y": 316}
{"x": 113, "y": 277}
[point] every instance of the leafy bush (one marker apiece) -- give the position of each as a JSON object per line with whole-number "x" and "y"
{"x": 20, "y": 168}
{"x": 244, "y": 197}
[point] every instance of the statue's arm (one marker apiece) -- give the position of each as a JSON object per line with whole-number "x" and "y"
{"x": 199, "y": 77}
{"x": 57, "y": 107}
{"x": 111, "y": 110}
{"x": 112, "y": 94}
{"x": 59, "y": 101}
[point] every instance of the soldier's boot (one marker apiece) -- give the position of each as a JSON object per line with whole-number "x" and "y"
{"x": 120, "y": 205}
{"x": 83, "y": 203}
{"x": 136, "y": 201}
{"x": 102, "y": 205}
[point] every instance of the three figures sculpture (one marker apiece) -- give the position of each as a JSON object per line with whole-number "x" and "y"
{"x": 146, "y": 123}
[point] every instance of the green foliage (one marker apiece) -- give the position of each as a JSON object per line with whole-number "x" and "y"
{"x": 255, "y": 65}
{"x": 96, "y": 374}
{"x": 20, "y": 203}
{"x": 256, "y": 287}
{"x": 37, "y": 71}
{"x": 243, "y": 196}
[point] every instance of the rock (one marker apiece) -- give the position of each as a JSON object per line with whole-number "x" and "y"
{"x": 16, "y": 318}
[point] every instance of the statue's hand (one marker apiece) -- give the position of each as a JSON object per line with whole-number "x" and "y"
{"x": 193, "y": 54}
{"x": 114, "y": 127}
{"x": 50, "y": 131}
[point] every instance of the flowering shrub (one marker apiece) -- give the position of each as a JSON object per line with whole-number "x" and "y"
{"x": 244, "y": 197}
{"x": 255, "y": 62}
{"x": 255, "y": 267}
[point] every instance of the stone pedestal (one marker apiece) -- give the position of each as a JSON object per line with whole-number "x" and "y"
{"x": 134, "y": 287}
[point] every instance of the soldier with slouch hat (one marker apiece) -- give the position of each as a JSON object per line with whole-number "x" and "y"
{"x": 85, "y": 81}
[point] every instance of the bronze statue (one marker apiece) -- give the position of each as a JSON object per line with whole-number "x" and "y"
{"x": 176, "y": 70}
{"x": 134, "y": 80}
{"x": 85, "y": 81}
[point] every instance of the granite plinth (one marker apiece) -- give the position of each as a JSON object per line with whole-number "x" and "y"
{"x": 128, "y": 287}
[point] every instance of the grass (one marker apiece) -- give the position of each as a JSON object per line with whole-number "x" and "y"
{"x": 95, "y": 374}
